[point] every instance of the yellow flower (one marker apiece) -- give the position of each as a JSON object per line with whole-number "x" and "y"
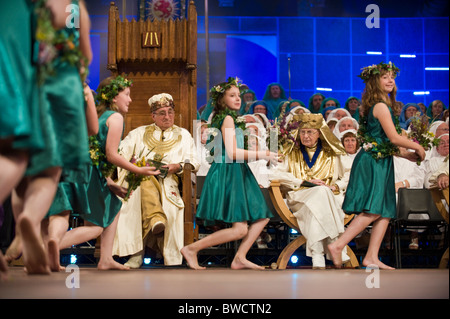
{"x": 104, "y": 96}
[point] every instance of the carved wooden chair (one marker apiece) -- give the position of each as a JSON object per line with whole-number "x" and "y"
{"x": 288, "y": 217}
{"x": 439, "y": 195}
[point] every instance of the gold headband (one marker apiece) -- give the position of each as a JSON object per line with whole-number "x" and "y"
{"x": 159, "y": 101}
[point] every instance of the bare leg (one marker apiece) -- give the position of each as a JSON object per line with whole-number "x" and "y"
{"x": 360, "y": 223}
{"x": 15, "y": 248}
{"x": 3, "y": 267}
{"x": 38, "y": 195}
{"x": 107, "y": 261}
{"x": 376, "y": 238}
{"x": 240, "y": 261}
{"x": 237, "y": 231}
{"x": 80, "y": 235}
{"x": 13, "y": 164}
{"x": 57, "y": 227}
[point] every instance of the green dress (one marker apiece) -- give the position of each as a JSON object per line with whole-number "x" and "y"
{"x": 63, "y": 118}
{"x": 104, "y": 205}
{"x": 230, "y": 192}
{"x": 371, "y": 188}
{"x": 18, "y": 83}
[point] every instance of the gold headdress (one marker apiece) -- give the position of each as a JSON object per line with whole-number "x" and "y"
{"x": 316, "y": 121}
{"x": 160, "y": 100}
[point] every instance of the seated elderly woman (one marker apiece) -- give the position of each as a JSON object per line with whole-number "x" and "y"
{"x": 350, "y": 142}
{"x": 315, "y": 173}
{"x": 345, "y": 123}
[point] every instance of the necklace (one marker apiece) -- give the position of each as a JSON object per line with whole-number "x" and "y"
{"x": 311, "y": 162}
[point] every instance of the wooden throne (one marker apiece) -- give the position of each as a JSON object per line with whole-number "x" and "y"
{"x": 159, "y": 57}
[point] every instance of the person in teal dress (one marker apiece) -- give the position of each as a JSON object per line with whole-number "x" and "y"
{"x": 20, "y": 127}
{"x": 102, "y": 194}
{"x": 34, "y": 195}
{"x": 371, "y": 188}
{"x": 230, "y": 192}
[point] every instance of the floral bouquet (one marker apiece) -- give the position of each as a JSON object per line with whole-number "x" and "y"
{"x": 418, "y": 132}
{"x": 134, "y": 180}
{"x": 287, "y": 133}
{"x": 157, "y": 163}
{"x": 98, "y": 157}
{"x": 369, "y": 144}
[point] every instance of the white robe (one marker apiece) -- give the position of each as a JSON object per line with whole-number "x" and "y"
{"x": 128, "y": 239}
{"x": 318, "y": 211}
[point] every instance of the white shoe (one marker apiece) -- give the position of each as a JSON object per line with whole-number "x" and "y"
{"x": 318, "y": 261}
{"x": 135, "y": 261}
{"x": 158, "y": 228}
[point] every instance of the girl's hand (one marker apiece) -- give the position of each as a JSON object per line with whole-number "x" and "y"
{"x": 272, "y": 157}
{"x": 149, "y": 171}
{"x": 421, "y": 153}
{"x": 116, "y": 189}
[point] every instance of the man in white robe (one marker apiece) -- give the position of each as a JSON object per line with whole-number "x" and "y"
{"x": 317, "y": 207}
{"x": 154, "y": 214}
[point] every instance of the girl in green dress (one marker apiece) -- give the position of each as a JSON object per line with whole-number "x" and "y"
{"x": 97, "y": 202}
{"x": 371, "y": 188}
{"x": 230, "y": 193}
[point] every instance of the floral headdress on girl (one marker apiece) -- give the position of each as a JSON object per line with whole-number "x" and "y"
{"x": 107, "y": 93}
{"x": 371, "y": 70}
{"x": 220, "y": 88}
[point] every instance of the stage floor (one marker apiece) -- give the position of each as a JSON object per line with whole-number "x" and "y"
{"x": 224, "y": 283}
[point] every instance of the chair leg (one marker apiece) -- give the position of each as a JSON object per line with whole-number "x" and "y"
{"x": 397, "y": 248}
{"x": 287, "y": 252}
{"x": 353, "y": 262}
{"x": 444, "y": 260}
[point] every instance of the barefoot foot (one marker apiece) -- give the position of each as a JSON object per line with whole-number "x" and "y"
{"x": 336, "y": 254}
{"x": 3, "y": 267}
{"x": 14, "y": 250}
{"x": 243, "y": 263}
{"x": 53, "y": 256}
{"x": 111, "y": 264}
{"x": 368, "y": 262}
{"x": 34, "y": 254}
{"x": 191, "y": 258}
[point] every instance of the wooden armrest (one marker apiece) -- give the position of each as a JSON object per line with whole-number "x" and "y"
{"x": 280, "y": 206}
{"x": 438, "y": 195}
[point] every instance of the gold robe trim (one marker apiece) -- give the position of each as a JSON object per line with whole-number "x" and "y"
{"x": 322, "y": 169}
{"x": 160, "y": 146}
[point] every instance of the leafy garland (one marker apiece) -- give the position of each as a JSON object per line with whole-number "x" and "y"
{"x": 369, "y": 71}
{"x": 107, "y": 93}
{"x": 55, "y": 44}
{"x": 98, "y": 157}
{"x": 369, "y": 144}
{"x": 218, "y": 119}
{"x": 220, "y": 88}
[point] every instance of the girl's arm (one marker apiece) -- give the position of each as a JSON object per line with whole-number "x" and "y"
{"x": 85, "y": 40}
{"x": 91, "y": 112}
{"x": 115, "y": 125}
{"x": 381, "y": 112}
{"x": 234, "y": 153}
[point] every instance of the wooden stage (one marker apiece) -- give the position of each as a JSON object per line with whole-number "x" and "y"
{"x": 224, "y": 283}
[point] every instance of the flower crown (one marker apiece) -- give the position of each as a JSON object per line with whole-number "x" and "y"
{"x": 220, "y": 88}
{"x": 371, "y": 70}
{"x": 107, "y": 93}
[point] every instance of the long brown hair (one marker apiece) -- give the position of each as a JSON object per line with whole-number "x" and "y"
{"x": 373, "y": 93}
